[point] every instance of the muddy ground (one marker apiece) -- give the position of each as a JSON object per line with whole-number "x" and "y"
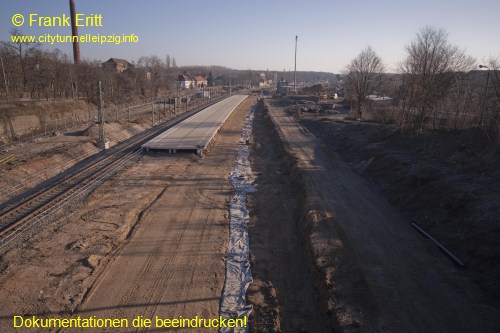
{"x": 368, "y": 270}
{"x": 448, "y": 182}
{"x": 283, "y": 292}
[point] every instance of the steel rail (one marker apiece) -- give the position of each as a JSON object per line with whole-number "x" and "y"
{"x": 14, "y": 231}
{"x": 23, "y": 213}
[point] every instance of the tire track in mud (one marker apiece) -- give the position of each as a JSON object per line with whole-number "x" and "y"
{"x": 182, "y": 293}
{"x": 141, "y": 273}
{"x": 129, "y": 297}
{"x": 163, "y": 275}
{"x": 161, "y": 283}
{"x": 151, "y": 261}
{"x": 162, "y": 280}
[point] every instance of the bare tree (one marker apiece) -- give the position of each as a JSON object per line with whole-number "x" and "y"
{"x": 88, "y": 74}
{"x": 11, "y": 73}
{"x": 24, "y": 51}
{"x": 430, "y": 70}
{"x": 363, "y": 76}
{"x": 60, "y": 81}
{"x": 154, "y": 69}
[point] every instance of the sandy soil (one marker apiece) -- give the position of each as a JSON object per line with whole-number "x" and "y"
{"x": 150, "y": 241}
{"x": 378, "y": 274}
{"x": 32, "y": 162}
{"x": 35, "y": 162}
{"x": 26, "y": 165}
{"x": 173, "y": 264}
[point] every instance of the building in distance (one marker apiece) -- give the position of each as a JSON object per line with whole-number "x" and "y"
{"x": 116, "y": 65}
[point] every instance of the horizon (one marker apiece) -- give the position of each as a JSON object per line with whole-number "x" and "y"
{"x": 261, "y": 35}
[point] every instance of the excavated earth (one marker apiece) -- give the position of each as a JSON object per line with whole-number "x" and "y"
{"x": 332, "y": 249}
{"x": 331, "y": 240}
{"x": 448, "y": 182}
{"x": 150, "y": 240}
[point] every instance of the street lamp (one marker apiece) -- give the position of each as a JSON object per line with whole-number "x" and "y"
{"x": 485, "y": 93}
{"x": 295, "y": 68}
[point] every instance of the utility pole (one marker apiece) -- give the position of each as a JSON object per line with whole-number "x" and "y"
{"x": 5, "y": 81}
{"x": 485, "y": 94}
{"x": 76, "y": 45}
{"x": 101, "y": 143}
{"x": 153, "y": 114}
{"x": 295, "y": 71}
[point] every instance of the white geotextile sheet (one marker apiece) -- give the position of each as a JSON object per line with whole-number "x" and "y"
{"x": 238, "y": 273}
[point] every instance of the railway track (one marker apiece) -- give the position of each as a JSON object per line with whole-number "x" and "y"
{"x": 6, "y": 159}
{"x": 25, "y": 211}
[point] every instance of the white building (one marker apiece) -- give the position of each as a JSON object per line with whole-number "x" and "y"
{"x": 185, "y": 81}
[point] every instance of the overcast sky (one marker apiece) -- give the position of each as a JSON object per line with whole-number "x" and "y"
{"x": 260, "y": 34}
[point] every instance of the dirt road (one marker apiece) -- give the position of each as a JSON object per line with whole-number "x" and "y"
{"x": 378, "y": 274}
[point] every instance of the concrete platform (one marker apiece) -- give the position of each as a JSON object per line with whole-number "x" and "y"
{"x": 196, "y": 132}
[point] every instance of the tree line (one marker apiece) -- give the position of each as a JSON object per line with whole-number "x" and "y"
{"x": 437, "y": 86}
{"x": 29, "y": 71}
